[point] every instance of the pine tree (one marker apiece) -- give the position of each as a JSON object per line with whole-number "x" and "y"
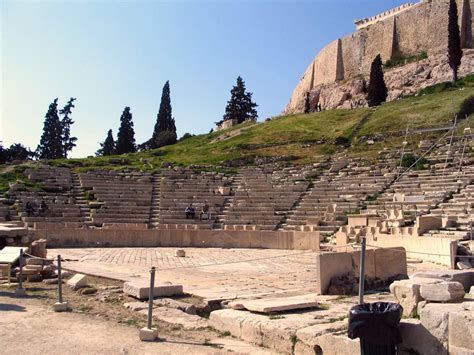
{"x": 454, "y": 39}
{"x": 240, "y": 107}
{"x": 68, "y": 142}
{"x": 50, "y": 146}
{"x": 108, "y": 147}
{"x": 126, "y": 134}
{"x": 377, "y": 91}
{"x": 164, "y": 132}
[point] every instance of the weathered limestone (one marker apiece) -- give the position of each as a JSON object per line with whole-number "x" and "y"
{"x": 148, "y": 334}
{"x": 451, "y": 324}
{"x": 270, "y": 305}
{"x": 175, "y": 316}
{"x": 417, "y": 338}
{"x": 77, "y": 281}
{"x": 465, "y": 277}
{"x": 407, "y": 293}
{"x": 442, "y": 292}
{"x": 140, "y": 289}
{"x": 60, "y": 306}
{"x": 461, "y": 332}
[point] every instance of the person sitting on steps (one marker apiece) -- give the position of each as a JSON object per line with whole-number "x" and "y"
{"x": 43, "y": 208}
{"x": 190, "y": 212}
{"x": 29, "y": 209}
{"x": 204, "y": 212}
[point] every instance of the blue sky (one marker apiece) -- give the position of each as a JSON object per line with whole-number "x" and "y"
{"x": 111, "y": 54}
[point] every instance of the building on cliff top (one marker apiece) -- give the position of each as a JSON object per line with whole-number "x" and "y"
{"x": 408, "y": 30}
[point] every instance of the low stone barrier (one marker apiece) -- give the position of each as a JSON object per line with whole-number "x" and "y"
{"x": 379, "y": 263}
{"x": 66, "y": 238}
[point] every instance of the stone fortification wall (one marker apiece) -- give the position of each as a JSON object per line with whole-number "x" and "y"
{"x": 421, "y": 27}
{"x": 390, "y": 13}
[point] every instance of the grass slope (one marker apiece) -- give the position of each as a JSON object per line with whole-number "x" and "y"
{"x": 302, "y": 136}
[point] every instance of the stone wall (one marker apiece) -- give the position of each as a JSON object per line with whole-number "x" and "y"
{"x": 379, "y": 263}
{"x": 420, "y": 28}
{"x": 72, "y": 237}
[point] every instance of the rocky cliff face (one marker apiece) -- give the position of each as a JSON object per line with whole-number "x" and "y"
{"x": 401, "y": 81}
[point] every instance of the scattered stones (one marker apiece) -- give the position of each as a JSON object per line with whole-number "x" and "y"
{"x": 442, "y": 292}
{"x": 136, "y": 306}
{"x": 87, "y": 290}
{"x": 182, "y": 306}
{"x": 77, "y": 281}
{"x": 175, "y": 316}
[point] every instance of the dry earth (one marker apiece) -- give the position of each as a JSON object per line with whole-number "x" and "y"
{"x": 97, "y": 324}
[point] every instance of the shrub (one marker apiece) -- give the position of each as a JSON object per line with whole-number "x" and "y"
{"x": 467, "y": 108}
{"x": 165, "y": 138}
{"x": 341, "y": 140}
{"x": 409, "y": 159}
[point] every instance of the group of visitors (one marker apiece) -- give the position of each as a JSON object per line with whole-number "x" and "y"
{"x": 190, "y": 211}
{"x": 30, "y": 208}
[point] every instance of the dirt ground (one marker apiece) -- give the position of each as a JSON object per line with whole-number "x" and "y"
{"x": 96, "y": 324}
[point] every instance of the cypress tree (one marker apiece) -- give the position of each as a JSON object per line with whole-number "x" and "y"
{"x": 126, "y": 134}
{"x": 240, "y": 107}
{"x": 50, "y": 146}
{"x": 306, "y": 103}
{"x": 454, "y": 39}
{"x": 377, "y": 91}
{"x": 164, "y": 132}
{"x": 68, "y": 142}
{"x": 108, "y": 147}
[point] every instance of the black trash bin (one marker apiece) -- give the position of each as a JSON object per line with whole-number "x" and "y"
{"x": 377, "y": 326}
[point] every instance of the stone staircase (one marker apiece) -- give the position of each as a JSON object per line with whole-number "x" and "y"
{"x": 219, "y": 222}
{"x": 79, "y": 196}
{"x": 155, "y": 201}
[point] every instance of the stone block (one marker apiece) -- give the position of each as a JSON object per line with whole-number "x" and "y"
{"x": 228, "y": 320}
{"x": 329, "y": 265}
{"x": 435, "y": 318}
{"x": 34, "y": 261}
{"x": 444, "y": 291}
{"x": 407, "y": 293}
{"x": 417, "y": 338}
{"x": 465, "y": 277}
{"x": 461, "y": 332}
{"x": 270, "y": 305}
{"x": 390, "y": 262}
{"x": 277, "y": 336}
{"x": 335, "y": 344}
{"x": 141, "y": 289}
{"x": 36, "y": 268}
{"x": 180, "y": 253}
{"x": 148, "y": 334}
{"x": 251, "y": 330}
{"x": 60, "y": 307}
{"x": 77, "y": 281}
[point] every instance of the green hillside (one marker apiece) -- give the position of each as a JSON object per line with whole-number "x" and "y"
{"x": 299, "y": 138}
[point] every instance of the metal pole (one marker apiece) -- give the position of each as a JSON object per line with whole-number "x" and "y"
{"x": 150, "y": 297}
{"x": 60, "y": 281}
{"x": 20, "y": 281}
{"x": 362, "y": 272}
